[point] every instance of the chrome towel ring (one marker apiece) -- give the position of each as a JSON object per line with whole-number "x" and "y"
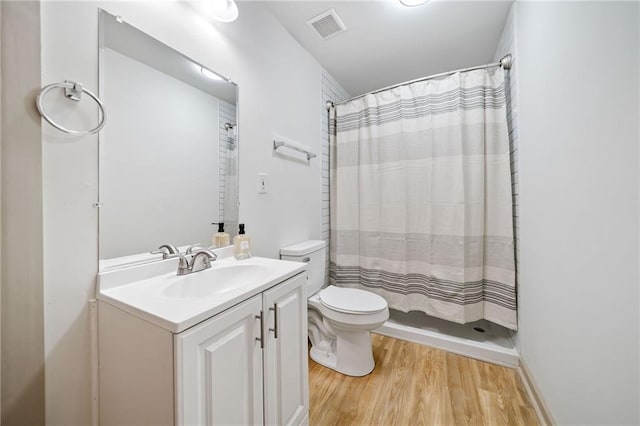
{"x": 73, "y": 91}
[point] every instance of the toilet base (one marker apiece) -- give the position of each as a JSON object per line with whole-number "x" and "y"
{"x": 324, "y": 358}
{"x": 353, "y": 357}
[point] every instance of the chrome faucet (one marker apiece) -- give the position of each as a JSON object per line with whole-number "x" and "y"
{"x": 200, "y": 261}
{"x": 167, "y": 251}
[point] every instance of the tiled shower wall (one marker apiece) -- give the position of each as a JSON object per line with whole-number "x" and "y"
{"x": 331, "y": 91}
{"x": 226, "y": 114}
{"x": 507, "y": 45}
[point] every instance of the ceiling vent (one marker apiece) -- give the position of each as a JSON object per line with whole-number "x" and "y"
{"x": 327, "y": 24}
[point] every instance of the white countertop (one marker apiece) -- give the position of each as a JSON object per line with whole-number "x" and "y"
{"x": 143, "y": 290}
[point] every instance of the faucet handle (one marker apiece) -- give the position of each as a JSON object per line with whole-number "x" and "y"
{"x": 170, "y": 248}
{"x": 207, "y": 252}
{"x": 201, "y": 260}
{"x": 167, "y": 251}
{"x": 192, "y": 247}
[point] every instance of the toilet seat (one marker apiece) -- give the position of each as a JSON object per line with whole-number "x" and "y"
{"x": 352, "y": 300}
{"x": 358, "y": 320}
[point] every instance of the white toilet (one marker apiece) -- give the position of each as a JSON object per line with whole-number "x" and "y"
{"x": 340, "y": 319}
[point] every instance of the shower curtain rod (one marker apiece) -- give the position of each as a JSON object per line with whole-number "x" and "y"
{"x": 505, "y": 63}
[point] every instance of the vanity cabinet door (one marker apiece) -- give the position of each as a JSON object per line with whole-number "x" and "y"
{"x": 285, "y": 353}
{"x": 218, "y": 366}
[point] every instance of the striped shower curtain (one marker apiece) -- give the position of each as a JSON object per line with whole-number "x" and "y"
{"x": 421, "y": 209}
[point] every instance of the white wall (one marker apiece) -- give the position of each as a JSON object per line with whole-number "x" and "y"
{"x": 22, "y": 271}
{"x": 578, "y": 114}
{"x": 279, "y": 93}
{"x": 159, "y": 160}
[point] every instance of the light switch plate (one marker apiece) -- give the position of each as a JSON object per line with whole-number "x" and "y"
{"x": 262, "y": 183}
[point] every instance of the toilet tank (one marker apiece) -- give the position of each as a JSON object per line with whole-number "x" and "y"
{"x": 312, "y": 252}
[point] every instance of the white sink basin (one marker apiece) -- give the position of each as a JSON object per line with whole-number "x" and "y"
{"x": 156, "y": 294}
{"x": 219, "y": 279}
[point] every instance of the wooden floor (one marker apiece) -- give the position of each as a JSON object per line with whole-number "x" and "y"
{"x": 414, "y": 384}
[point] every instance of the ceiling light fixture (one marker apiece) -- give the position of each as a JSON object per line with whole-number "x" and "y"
{"x": 224, "y": 10}
{"x": 413, "y": 3}
{"x": 210, "y": 74}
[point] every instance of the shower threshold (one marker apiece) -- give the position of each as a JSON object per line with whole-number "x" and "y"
{"x": 480, "y": 340}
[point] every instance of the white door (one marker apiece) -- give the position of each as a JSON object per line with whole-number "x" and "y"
{"x": 285, "y": 353}
{"x": 219, "y": 369}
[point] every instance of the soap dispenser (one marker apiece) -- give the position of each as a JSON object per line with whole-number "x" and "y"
{"x": 220, "y": 238}
{"x": 241, "y": 244}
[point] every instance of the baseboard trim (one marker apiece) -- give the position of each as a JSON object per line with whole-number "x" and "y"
{"x": 540, "y": 407}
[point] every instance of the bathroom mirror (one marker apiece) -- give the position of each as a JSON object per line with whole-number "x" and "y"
{"x": 169, "y": 150}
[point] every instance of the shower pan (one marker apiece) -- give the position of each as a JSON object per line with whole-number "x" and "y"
{"x": 480, "y": 339}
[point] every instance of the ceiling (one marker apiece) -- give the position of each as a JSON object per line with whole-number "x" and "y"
{"x": 387, "y": 43}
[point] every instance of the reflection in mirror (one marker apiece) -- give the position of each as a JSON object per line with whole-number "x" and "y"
{"x": 169, "y": 152}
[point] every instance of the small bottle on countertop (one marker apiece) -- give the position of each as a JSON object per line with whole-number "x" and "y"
{"x": 220, "y": 238}
{"x": 241, "y": 244}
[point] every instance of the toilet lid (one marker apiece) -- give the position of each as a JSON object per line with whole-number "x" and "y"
{"x": 352, "y": 300}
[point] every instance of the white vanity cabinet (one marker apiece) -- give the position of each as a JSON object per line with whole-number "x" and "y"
{"x": 246, "y": 365}
{"x": 219, "y": 369}
{"x": 286, "y": 386}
